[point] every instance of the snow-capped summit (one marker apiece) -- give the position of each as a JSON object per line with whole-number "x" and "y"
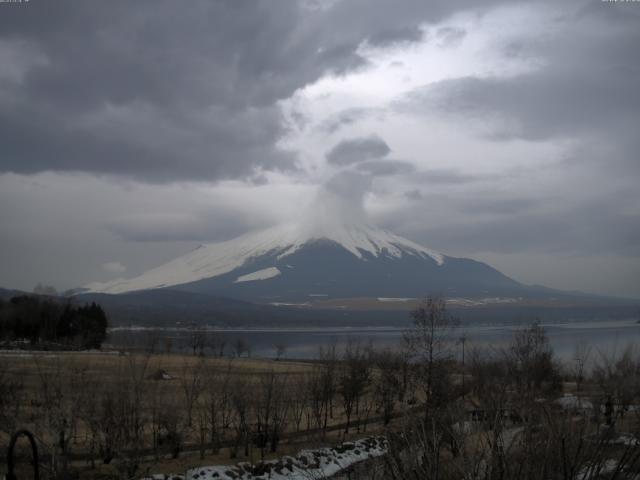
{"x": 277, "y": 244}
{"x": 324, "y": 257}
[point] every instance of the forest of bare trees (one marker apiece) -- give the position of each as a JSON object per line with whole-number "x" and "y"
{"x": 518, "y": 413}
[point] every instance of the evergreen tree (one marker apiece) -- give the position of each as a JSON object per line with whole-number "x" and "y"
{"x": 36, "y": 319}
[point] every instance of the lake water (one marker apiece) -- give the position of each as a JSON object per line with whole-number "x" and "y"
{"x": 605, "y": 338}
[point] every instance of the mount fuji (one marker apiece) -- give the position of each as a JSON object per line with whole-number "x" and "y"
{"x": 298, "y": 263}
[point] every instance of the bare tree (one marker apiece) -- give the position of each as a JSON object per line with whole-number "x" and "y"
{"x": 218, "y": 403}
{"x": 122, "y": 419}
{"x": 241, "y": 401}
{"x": 168, "y": 344}
{"x": 582, "y": 353}
{"x": 317, "y": 397}
{"x": 172, "y": 430}
{"x": 387, "y": 383}
{"x": 216, "y": 344}
{"x": 354, "y": 377}
{"x": 299, "y": 398}
{"x": 280, "y": 349}
{"x": 240, "y": 347}
{"x": 429, "y": 343}
{"x": 56, "y": 411}
{"x": 155, "y": 406}
{"x": 88, "y": 413}
{"x": 531, "y": 364}
{"x": 270, "y": 410}
{"x": 11, "y": 399}
{"x": 618, "y": 375}
{"x": 191, "y": 384}
{"x": 326, "y": 383}
{"x": 197, "y": 342}
{"x": 500, "y": 442}
{"x": 152, "y": 341}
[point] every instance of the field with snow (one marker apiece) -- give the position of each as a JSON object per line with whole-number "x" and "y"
{"x": 307, "y": 464}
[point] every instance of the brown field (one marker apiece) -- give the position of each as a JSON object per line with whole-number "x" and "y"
{"x": 123, "y": 415}
{"x": 68, "y": 392}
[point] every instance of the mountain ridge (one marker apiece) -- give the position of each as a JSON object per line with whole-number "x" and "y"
{"x": 301, "y": 264}
{"x": 216, "y": 259}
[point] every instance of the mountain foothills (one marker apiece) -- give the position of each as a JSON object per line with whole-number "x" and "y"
{"x": 296, "y": 264}
{"x": 327, "y": 274}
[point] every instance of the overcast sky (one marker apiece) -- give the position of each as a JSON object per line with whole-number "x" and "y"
{"x": 507, "y": 132}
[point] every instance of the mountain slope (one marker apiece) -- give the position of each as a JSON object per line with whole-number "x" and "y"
{"x": 219, "y": 258}
{"x": 294, "y": 263}
{"x": 323, "y": 268}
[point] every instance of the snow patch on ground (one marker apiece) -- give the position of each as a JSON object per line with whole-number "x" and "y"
{"x": 307, "y": 464}
{"x": 598, "y": 468}
{"x": 259, "y": 275}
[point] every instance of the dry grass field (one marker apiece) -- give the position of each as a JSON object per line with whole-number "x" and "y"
{"x": 167, "y": 412}
{"x": 122, "y": 415}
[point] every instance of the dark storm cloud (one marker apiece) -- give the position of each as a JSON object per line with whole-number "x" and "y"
{"x": 148, "y": 91}
{"x": 541, "y": 105}
{"x": 414, "y": 194}
{"x": 355, "y": 150}
{"x": 584, "y": 234}
{"x": 345, "y": 118}
{"x": 504, "y": 223}
{"x": 160, "y": 92}
{"x": 586, "y": 83}
{"x": 146, "y": 147}
{"x": 210, "y": 226}
{"x": 582, "y": 87}
{"x": 381, "y": 22}
{"x": 395, "y": 35}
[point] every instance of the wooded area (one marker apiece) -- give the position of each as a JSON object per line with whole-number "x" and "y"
{"x": 504, "y": 413}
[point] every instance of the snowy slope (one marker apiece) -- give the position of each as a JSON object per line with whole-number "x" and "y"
{"x": 263, "y": 274}
{"x": 213, "y": 260}
{"x": 307, "y": 464}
